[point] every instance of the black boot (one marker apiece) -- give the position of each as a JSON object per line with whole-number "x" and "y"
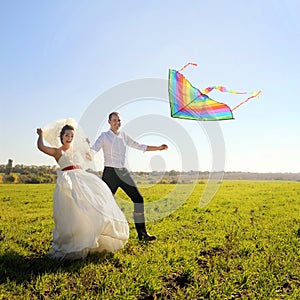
{"x": 139, "y": 221}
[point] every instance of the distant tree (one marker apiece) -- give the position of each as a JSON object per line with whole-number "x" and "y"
{"x": 9, "y": 167}
{"x": 173, "y": 173}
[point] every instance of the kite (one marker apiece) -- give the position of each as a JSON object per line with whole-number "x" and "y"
{"x": 188, "y": 102}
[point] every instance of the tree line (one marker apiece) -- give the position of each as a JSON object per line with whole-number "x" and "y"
{"x": 27, "y": 174}
{"x": 47, "y": 174}
{"x": 20, "y": 173}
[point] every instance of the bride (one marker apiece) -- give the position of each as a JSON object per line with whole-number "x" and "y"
{"x": 86, "y": 216}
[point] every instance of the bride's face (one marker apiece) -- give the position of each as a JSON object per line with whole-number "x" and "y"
{"x": 67, "y": 137}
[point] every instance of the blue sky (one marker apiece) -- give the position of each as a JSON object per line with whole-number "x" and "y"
{"x": 58, "y": 56}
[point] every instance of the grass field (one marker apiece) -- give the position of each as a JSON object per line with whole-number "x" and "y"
{"x": 245, "y": 244}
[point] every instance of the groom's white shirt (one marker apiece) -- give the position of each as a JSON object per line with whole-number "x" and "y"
{"x": 114, "y": 147}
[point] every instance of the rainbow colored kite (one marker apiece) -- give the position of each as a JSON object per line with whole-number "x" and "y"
{"x": 187, "y": 102}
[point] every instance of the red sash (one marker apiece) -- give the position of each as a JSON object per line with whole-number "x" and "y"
{"x": 71, "y": 168}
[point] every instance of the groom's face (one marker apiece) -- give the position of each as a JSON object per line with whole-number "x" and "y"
{"x": 115, "y": 122}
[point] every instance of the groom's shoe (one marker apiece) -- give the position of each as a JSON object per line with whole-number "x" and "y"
{"x": 142, "y": 233}
{"x": 139, "y": 221}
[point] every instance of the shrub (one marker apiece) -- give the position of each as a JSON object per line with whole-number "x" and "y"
{"x": 33, "y": 178}
{"x": 9, "y": 178}
{"x": 23, "y": 178}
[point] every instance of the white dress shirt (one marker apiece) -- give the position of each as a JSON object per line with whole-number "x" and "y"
{"x": 114, "y": 147}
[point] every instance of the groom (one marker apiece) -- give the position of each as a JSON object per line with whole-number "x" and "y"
{"x": 115, "y": 174}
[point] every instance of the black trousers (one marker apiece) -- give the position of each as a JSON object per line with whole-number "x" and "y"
{"x": 120, "y": 177}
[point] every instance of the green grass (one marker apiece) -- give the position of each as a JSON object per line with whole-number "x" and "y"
{"x": 244, "y": 245}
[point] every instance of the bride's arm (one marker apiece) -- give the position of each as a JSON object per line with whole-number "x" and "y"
{"x": 40, "y": 144}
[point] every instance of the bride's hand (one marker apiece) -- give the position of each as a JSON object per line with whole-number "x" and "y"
{"x": 39, "y": 131}
{"x": 88, "y": 156}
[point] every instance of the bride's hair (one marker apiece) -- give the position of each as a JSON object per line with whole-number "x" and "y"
{"x": 63, "y": 130}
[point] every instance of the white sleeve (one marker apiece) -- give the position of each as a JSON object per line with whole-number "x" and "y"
{"x": 99, "y": 143}
{"x": 133, "y": 144}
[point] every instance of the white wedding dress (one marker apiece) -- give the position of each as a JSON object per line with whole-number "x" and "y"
{"x": 86, "y": 216}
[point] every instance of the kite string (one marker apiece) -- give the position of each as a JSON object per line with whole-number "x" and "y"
{"x": 190, "y": 63}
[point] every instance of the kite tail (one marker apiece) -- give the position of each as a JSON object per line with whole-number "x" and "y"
{"x": 190, "y": 63}
{"x": 225, "y": 90}
{"x": 253, "y": 96}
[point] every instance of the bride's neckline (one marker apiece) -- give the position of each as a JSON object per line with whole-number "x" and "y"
{"x": 66, "y": 149}
{"x": 62, "y": 153}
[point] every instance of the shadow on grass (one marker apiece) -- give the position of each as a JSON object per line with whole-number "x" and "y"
{"x": 15, "y": 267}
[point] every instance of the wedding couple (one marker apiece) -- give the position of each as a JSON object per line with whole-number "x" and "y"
{"x": 86, "y": 216}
